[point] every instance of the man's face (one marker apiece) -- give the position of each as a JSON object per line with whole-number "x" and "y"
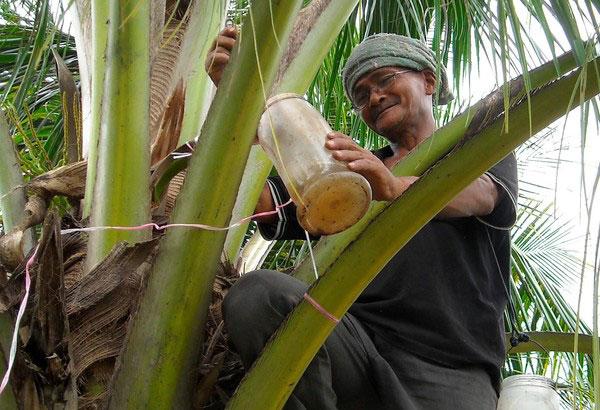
{"x": 394, "y": 99}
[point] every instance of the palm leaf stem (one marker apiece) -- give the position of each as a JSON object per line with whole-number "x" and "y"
{"x": 552, "y": 342}
{"x": 12, "y": 193}
{"x": 204, "y": 22}
{"x": 99, "y": 33}
{"x": 12, "y": 203}
{"x": 121, "y": 191}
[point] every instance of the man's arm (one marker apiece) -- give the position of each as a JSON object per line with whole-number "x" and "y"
{"x": 491, "y": 198}
{"x": 478, "y": 199}
{"x": 265, "y": 204}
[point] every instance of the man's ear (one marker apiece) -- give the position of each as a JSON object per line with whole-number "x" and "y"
{"x": 430, "y": 81}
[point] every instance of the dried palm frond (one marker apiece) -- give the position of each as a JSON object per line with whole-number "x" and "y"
{"x": 164, "y": 79}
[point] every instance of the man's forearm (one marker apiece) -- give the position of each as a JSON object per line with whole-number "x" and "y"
{"x": 478, "y": 199}
{"x": 265, "y": 204}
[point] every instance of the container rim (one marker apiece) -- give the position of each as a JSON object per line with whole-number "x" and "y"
{"x": 283, "y": 96}
{"x": 528, "y": 379}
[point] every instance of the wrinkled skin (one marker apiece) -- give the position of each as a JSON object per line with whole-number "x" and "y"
{"x": 402, "y": 112}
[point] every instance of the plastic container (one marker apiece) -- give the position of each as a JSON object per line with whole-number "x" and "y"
{"x": 329, "y": 197}
{"x": 528, "y": 392}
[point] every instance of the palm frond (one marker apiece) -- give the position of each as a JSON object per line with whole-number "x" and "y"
{"x": 29, "y": 88}
{"x": 542, "y": 267}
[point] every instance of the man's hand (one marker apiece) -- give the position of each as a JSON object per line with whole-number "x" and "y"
{"x": 384, "y": 185}
{"x": 219, "y": 53}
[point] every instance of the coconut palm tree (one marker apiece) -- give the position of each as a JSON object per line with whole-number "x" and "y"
{"x": 143, "y": 93}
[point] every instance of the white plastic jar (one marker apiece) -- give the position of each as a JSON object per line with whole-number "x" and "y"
{"x": 528, "y": 392}
{"x": 329, "y": 197}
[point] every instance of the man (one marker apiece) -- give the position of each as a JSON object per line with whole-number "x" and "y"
{"x": 427, "y": 333}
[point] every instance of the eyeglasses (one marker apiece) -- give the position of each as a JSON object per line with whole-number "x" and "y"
{"x": 362, "y": 98}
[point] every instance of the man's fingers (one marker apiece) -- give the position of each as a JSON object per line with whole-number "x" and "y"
{"x": 214, "y": 60}
{"x": 364, "y": 166}
{"x": 219, "y": 53}
{"x": 341, "y": 143}
{"x": 226, "y": 38}
{"x": 348, "y": 155}
{"x": 222, "y": 50}
{"x": 229, "y": 31}
{"x": 336, "y": 134}
{"x": 225, "y": 43}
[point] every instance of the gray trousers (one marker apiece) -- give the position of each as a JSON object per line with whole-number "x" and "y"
{"x": 348, "y": 372}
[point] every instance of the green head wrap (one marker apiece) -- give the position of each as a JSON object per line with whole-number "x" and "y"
{"x": 387, "y": 50}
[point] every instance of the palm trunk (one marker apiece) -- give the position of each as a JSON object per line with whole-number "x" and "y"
{"x": 7, "y": 398}
{"x": 171, "y": 317}
{"x": 121, "y": 192}
{"x": 294, "y": 345}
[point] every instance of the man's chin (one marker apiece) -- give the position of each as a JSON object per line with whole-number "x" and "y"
{"x": 391, "y": 136}
{"x": 388, "y": 129}
{"x": 388, "y": 118}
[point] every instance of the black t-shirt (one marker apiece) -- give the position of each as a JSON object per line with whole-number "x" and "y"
{"x": 442, "y": 296}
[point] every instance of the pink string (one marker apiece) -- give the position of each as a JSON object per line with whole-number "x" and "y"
{"x": 321, "y": 309}
{"x": 180, "y": 225}
{"x": 13, "y": 347}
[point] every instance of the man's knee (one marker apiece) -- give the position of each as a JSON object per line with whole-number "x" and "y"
{"x": 254, "y": 308}
{"x": 261, "y": 293}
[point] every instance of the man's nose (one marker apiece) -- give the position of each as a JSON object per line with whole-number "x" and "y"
{"x": 376, "y": 97}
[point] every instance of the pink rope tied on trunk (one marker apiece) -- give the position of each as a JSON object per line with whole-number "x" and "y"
{"x": 13, "y": 346}
{"x": 321, "y": 309}
{"x": 180, "y": 225}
